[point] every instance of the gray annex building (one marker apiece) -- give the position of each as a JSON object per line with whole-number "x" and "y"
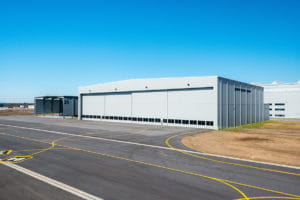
{"x": 204, "y": 102}
{"x": 60, "y": 105}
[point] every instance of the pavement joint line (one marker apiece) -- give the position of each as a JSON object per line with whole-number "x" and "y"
{"x": 167, "y": 168}
{"x": 161, "y": 147}
{"x": 53, "y": 182}
{"x": 167, "y": 142}
{"x": 125, "y": 134}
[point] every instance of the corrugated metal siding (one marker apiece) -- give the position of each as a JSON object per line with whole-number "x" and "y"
{"x": 57, "y": 106}
{"x": 54, "y": 104}
{"x": 221, "y": 102}
{"x": 239, "y": 104}
{"x": 39, "y": 106}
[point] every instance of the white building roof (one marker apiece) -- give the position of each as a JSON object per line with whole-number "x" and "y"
{"x": 277, "y": 86}
{"x": 152, "y": 84}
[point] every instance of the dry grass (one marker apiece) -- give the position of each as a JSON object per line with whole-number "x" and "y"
{"x": 16, "y": 112}
{"x": 271, "y": 141}
{"x": 281, "y": 125}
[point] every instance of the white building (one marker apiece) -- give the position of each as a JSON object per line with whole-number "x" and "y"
{"x": 31, "y": 106}
{"x": 204, "y": 102}
{"x": 283, "y": 99}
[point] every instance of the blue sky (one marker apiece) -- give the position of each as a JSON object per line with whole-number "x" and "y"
{"x": 52, "y": 47}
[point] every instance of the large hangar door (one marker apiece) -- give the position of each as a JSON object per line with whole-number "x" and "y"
{"x": 118, "y": 104}
{"x": 93, "y": 105}
{"x": 149, "y": 104}
{"x": 192, "y": 104}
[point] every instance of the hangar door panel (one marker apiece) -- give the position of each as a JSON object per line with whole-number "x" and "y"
{"x": 192, "y": 105}
{"x": 149, "y": 104}
{"x": 93, "y": 105}
{"x": 118, "y": 104}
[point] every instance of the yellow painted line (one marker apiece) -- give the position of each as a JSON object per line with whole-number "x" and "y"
{"x": 268, "y": 198}
{"x": 167, "y": 142}
{"x": 6, "y": 160}
{"x": 51, "y": 147}
{"x": 261, "y": 188}
{"x": 29, "y": 156}
{"x": 32, "y": 139}
{"x": 53, "y": 144}
{"x": 147, "y": 145}
{"x": 182, "y": 171}
{"x": 36, "y": 149}
{"x": 141, "y": 162}
{"x": 163, "y": 167}
{"x": 8, "y": 152}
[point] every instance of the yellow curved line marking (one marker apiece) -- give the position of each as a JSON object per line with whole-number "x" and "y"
{"x": 167, "y": 142}
{"x": 182, "y": 171}
{"x": 268, "y": 198}
{"x": 233, "y": 187}
{"x": 162, "y": 167}
{"x": 208, "y": 177}
{"x": 154, "y": 165}
{"x": 26, "y": 138}
{"x": 29, "y": 156}
{"x": 261, "y": 188}
{"x": 52, "y": 143}
{"x": 35, "y": 149}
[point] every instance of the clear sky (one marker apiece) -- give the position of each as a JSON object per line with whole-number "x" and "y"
{"x": 52, "y": 47}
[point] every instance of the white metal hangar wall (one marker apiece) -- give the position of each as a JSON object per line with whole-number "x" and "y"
{"x": 193, "y": 102}
{"x": 283, "y": 99}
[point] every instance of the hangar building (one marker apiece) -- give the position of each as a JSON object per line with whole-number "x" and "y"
{"x": 61, "y": 105}
{"x": 283, "y": 99}
{"x": 202, "y": 102}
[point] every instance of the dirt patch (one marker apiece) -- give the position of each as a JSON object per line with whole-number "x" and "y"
{"x": 254, "y": 139}
{"x": 16, "y": 112}
{"x": 273, "y": 141}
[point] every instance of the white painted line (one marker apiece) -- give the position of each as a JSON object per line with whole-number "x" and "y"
{"x": 53, "y": 182}
{"x": 152, "y": 146}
